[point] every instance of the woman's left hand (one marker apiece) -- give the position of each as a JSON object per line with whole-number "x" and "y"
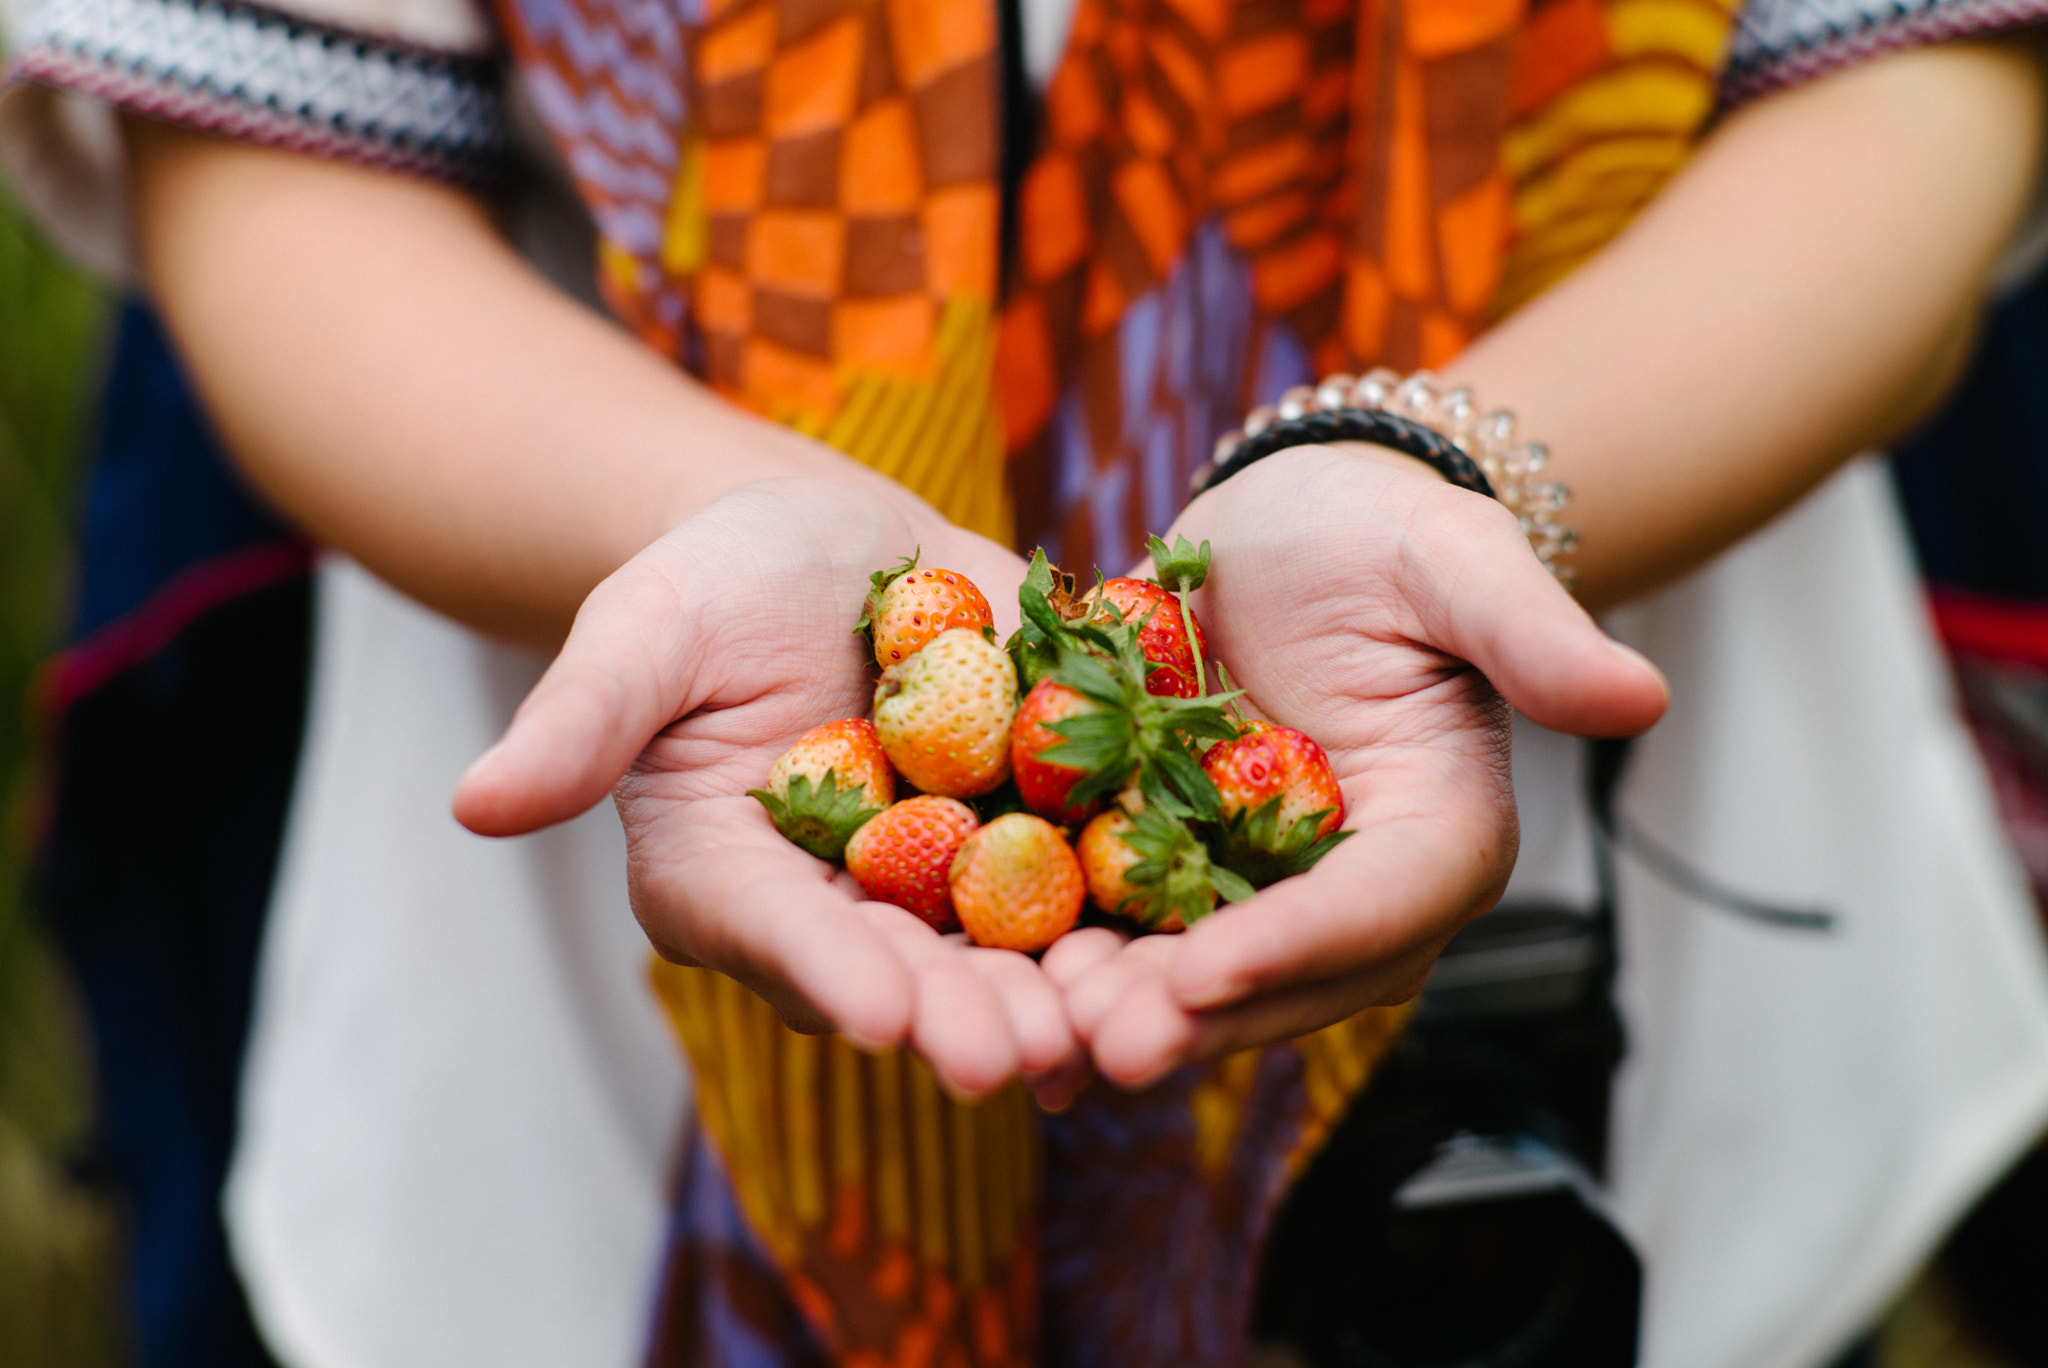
{"x": 1347, "y": 594}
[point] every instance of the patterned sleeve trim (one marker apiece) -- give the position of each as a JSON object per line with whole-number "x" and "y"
{"x": 1784, "y": 43}
{"x": 254, "y": 74}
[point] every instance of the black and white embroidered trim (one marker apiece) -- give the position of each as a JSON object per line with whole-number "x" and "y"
{"x": 1784, "y": 43}
{"x": 251, "y": 73}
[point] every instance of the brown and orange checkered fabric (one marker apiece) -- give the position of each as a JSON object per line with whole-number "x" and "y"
{"x": 800, "y": 200}
{"x": 836, "y": 215}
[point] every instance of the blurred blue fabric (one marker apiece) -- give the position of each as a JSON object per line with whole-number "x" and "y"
{"x": 184, "y": 696}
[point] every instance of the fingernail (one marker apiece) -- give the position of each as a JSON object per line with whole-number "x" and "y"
{"x": 966, "y": 1097}
{"x": 482, "y": 760}
{"x": 1213, "y": 992}
{"x": 1051, "y": 1101}
{"x": 1632, "y": 655}
{"x": 865, "y": 1044}
{"x": 1139, "y": 1082}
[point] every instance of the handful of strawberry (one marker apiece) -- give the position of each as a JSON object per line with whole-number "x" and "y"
{"x": 1086, "y": 759}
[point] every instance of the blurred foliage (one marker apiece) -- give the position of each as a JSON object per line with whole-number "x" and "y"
{"x": 57, "y": 1302}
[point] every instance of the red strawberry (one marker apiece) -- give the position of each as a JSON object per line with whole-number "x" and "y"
{"x": 1164, "y": 639}
{"x": 1280, "y": 803}
{"x": 909, "y": 607}
{"x": 1017, "y": 884}
{"x": 822, "y": 788}
{"x": 1045, "y": 784}
{"x": 904, "y": 856}
{"x": 944, "y": 714}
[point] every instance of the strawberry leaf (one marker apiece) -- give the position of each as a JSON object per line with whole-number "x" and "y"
{"x": 1230, "y": 692}
{"x": 1188, "y": 782}
{"x": 1092, "y": 677}
{"x": 1180, "y": 568}
{"x": 1233, "y": 888}
{"x": 1203, "y": 718}
{"x": 881, "y": 580}
{"x": 1093, "y": 742}
{"x": 1054, "y": 621}
{"x": 1174, "y": 876}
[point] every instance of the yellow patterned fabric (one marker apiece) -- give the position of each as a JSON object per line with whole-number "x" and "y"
{"x": 1608, "y": 102}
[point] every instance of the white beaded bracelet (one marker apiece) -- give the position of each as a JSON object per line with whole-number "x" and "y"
{"x": 1511, "y": 466}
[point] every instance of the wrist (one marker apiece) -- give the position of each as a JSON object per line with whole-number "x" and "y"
{"x": 1444, "y": 430}
{"x": 1387, "y": 456}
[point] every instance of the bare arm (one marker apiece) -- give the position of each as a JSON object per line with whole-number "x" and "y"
{"x": 1803, "y": 291}
{"x": 396, "y": 380}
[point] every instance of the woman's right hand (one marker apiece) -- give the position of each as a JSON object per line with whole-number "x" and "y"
{"x": 686, "y": 674}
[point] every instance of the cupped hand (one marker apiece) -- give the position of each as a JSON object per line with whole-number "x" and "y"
{"x": 686, "y": 674}
{"x": 1392, "y": 617}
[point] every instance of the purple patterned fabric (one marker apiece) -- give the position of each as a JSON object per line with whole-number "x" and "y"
{"x": 1784, "y": 43}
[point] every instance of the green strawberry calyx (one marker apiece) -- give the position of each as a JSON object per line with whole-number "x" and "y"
{"x": 1130, "y": 732}
{"x": 1174, "y": 875}
{"x": 1253, "y": 844}
{"x": 1050, "y": 605}
{"x": 881, "y": 580}
{"x": 821, "y": 819}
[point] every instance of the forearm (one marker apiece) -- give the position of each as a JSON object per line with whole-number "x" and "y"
{"x": 397, "y": 381}
{"x": 1804, "y": 290}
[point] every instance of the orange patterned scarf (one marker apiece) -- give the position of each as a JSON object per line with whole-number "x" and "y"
{"x": 800, "y": 200}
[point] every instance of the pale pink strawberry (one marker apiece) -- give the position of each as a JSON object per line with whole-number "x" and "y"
{"x": 1017, "y": 884}
{"x": 944, "y": 715}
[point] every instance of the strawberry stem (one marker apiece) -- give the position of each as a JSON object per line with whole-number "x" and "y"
{"x": 1187, "y": 624}
{"x": 1181, "y": 569}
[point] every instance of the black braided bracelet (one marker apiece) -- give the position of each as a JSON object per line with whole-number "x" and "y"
{"x": 1376, "y": 426}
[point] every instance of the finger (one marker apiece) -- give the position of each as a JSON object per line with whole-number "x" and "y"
{"x": 1149, "y": 1036}
{"x": 1095, "y": 995}
{"x": 1074, "y": 954}
{"x": 959, "y": 1027}
{"x": 772, "y": 919}
{"x": 1144, "y": 1035}
{"x": 1032, "y": 1003}
{"x": 1483, "y": 597}
{"x": 1397, "y": 889}
{"x": 1055, "y": 1092}
{"x": 625, "y": 672}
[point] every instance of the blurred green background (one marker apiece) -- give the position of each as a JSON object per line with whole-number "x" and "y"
{"x": 57, "y": 1304}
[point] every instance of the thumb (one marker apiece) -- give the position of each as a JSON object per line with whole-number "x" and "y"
{"x": 1499, "y": 608}
{"x": 628, "y": 669}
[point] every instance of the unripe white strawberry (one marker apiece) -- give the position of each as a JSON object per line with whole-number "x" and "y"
{"x": 944, "y": 715}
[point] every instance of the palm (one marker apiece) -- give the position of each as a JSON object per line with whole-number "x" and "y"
{"x": 738, "y": 626}
{"x": 1339, "y": 588}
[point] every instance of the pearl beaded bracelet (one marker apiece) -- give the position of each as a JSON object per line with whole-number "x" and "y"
{"x": 1477, "y": 451}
